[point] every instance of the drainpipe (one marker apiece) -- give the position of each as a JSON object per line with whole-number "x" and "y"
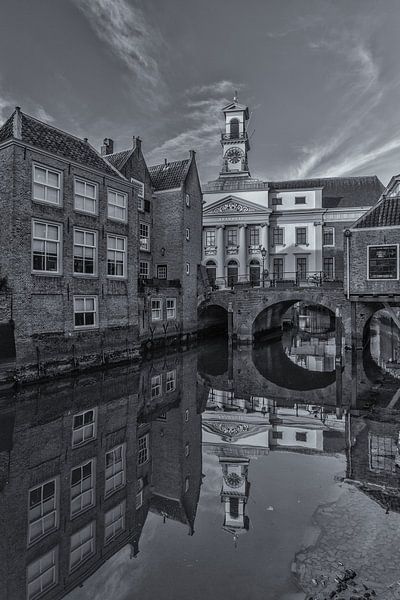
{"x": 347, "y": 234}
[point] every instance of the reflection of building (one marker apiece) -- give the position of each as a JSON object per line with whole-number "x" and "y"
{"x": 235, "y": 492}
{"x": 79, "y": 471}
{"x": 311, "y": 352}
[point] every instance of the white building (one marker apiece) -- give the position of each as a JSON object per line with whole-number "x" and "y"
{"x": 294, "y": 229}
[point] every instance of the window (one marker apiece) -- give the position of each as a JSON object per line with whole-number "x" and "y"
{"x": 82, "y": 487}
{"x": 277, "y": 435}
{"x": 117, "y": 205}
{"x": 162, "y": 271}
{"x": 328, "y": 236}
{"x": 114, "y": 522}
{"x": 232, "y": 237}
{"x": 278, "y": 266}
{"x": 187, "y": 199}
{"x": 42, "y": 574}
{"x": 211, "y": 271}
{"x": 187, "y": 484}
{"x": 329, "y": 267}
{"x": 301, "y": 267}
{"x": 254, "y": 236}
{"x": 156, "y": 312}
{"x": 82, "y": 545}
{"x": 186, "y": 416}
{"x": 85, "y": 197}
{"x": 144, "y": 269}
{"x": 187, "y": 449}
{"x": 46, "y": 247}
{"x": 116, "y": 256}
{"x": 42, "y": 514}
{"x": 301, "y": 235}
{"x": 143, "y": 450}
{"x": 383, "y": 262}
{"x": 46, "y": 185}
{"x": 187, "y": 268}
{"x": 171, "y": 308}
{"x": 170, "y": 384}
{"x": 187, "y": 233}
{"x": 83, "y": 427}
{"x": 210, "y": 237}
{"x": 277, "y": 236}
{"x": 85, "y": 312}
{"x": 85, "y": 252}
{"x": 301, "y": 436}
{"x": 276, "y": 201}
{"x": 300, "y": 200}
{"x": 139, "y": 493}
{"x": 115, "y": 470}
{"x": 234, "y": 128}
{"x": 138, "y": 186}
{"x": 156, "y": 386}
{"x": 144, "y": 235}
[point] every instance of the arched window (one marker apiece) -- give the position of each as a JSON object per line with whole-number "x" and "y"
{"x": 234, "y": 128}
{"x": 254, "y": 272}
{"x": 211, "y": 271}
{"x": 233, "y": 273}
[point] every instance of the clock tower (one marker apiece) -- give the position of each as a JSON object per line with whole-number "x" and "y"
{"x": 235, "y": 141}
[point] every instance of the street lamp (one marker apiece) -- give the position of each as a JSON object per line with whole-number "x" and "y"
{"x": 263, "y": 255}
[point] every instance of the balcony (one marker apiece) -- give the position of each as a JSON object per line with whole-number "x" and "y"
{"x": 234, "y": 136}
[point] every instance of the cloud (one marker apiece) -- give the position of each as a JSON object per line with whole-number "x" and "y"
{"x": 42, "y": 114}
{"x": 301, "y": 24}
{"x": 126, "y": 31}
{"x": 8, "y": 104}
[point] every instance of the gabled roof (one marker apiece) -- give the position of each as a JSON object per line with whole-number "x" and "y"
{"x": 235, "y": 205}
{"x": 235, "y": 106}
{"x": 235, "y": 184}
{"x": 46, "y": 137}
{"x": 118, "y": 159}
{"x": 169, "y": 175}
{"x": 385, "y": 214}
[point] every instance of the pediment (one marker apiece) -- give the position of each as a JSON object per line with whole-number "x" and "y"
{"x": 236, "y": 206}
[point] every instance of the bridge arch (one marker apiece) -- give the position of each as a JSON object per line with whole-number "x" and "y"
{"x": 212, "y": 319}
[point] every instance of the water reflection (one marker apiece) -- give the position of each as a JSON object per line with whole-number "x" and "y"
{"x": 207, "y": 467}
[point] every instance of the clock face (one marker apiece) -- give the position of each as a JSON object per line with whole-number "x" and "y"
{"x": 234, "y": 155}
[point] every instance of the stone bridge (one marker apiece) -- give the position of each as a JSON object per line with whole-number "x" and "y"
{"x": 252, "y": 311}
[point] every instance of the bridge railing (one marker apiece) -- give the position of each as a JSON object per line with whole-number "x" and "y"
{"x": 286, "y": 280}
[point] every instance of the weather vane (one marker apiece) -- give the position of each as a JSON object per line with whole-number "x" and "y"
{"x": 235, "y": 97}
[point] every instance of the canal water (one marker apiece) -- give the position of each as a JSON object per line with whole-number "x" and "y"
{"x": 218, "y": 472}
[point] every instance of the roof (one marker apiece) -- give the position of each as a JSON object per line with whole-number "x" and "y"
{"x": 385, "y": 214}
{"x": 44, "y": 136}
{"x": 169, "y": 175}
{"x": 169, "y": 507}
{"x": 118, "y": 159}
{"x": 235, "y": 184}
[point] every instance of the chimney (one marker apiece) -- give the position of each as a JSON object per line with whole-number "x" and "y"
{"x": 107, "y": 147}
{"x": 17, "y": 123}
{"x": 165, "y": 162}
{"x": 137, "y": 142}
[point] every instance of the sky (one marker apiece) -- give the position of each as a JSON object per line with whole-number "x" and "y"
{"x": 321, "y": 78}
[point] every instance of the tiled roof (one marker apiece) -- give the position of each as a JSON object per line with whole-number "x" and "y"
{"x": 235, "y": 184}
{"x": 385, "y": 214}
{"x": 338, "y": 192}
{"x": 118, "y": 159}
{"x": 57, "y": 142}
{"x": 169, "y": 175}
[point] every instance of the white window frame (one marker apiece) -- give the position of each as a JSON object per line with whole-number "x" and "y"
{"x": 84, "y": 245}
{"x": 84, "y": 490}
{"x": 85, "y": 427}
{"x": 156, "y": 386}
{"x": 295, "y": 235}
{"x": 187, "y": 415}
{"x": 139, "y": 184}
{"x": 115, "y": 475}
{"x": 187, "y": 449}
{"x": 187, "y": 268}
{"x": 282, "y": 243}
{"x": 96, "y": 312}
{"x": 123, "y": 196}
{"x": 187, "y": 233}
{"x": 45, "y": 511}
{"x": 51, "y": 567}
{"x": 156, "y": 313}
{"x": 171, "y": 310}
{"x": 143, "y": 275}
{"x": 139, "y": 493}
{"x": 83, "y": 543}
{"x": 170, "y": 381}
{"x": 333, "y": 237}
{"x": 210, "y": 233}
{"x": 58, "y": 242}
{"x": 398, "y": 261}
{"x": 160, "y": 269}
{"x": 47, "y": 186}
{"x": 143, "y": 454}
{"x": 85, "y": 198}
{"x": 144, "y": 246}
{"x": 115, "y": 250}
{"x": 117, "y": 515}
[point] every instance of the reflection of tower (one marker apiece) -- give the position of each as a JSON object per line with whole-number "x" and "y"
{"x": 234, "y": 493}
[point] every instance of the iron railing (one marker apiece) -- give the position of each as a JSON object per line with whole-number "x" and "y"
{"x": 286, "y": 280}
{"x": 234, "y": 136}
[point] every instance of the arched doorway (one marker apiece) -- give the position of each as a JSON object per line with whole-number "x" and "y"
{"x": 233, "y": 273}
{"x": 211, "y": 272}
{"x": 234, "y": 128}
{"x": 254, "y": 272}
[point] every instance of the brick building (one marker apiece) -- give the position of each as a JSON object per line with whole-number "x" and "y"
{"x": 82, "y": 463}
{"x": 79, "y": 229}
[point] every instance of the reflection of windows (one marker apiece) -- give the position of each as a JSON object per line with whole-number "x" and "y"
{"x": 82, "y": 487}
{"x": 143, "y": 449}
{"x": 139, "y": 493}
{"x": 187, "y": 449}
{"x": 83, "y": 427}
{"x": 301, "y": 436}
{"x": 186, "y": 416}
{"x": 156, "y": 309}
{"x": 42, "y": 514}
{"x": 171, "y": 308}
{"x": 144, "y": 269}
{"x": 187, "y": 484}
{"x": 277, "y": 435}
{"x": 383, "y": 262}
{"x": 82, "y": 545}
{"x": 234, "y": 508}
{"x": 41, "y": 574}
{"x": 382, "y": 452}
{"x": 162, "y": 271}
{"x": 115, "y": 470}
{"x": 114, "y": 522}
{"x": 171, "y": 381}
{"x": 156, "y": 386}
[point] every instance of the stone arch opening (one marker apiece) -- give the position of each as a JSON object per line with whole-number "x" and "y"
{"x": 212, "y": 320}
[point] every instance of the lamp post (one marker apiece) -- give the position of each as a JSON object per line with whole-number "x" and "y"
{"x": 263, "y": 255}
